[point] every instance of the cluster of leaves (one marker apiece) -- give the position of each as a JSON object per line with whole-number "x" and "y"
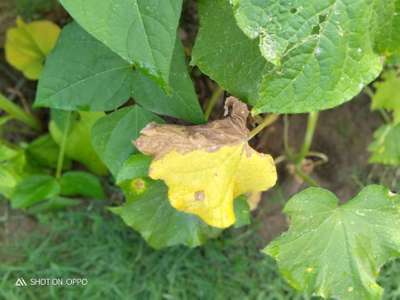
{"x": 278, "y": 56}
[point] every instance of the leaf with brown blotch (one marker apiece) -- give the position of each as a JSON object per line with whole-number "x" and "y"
{"x": 207, "y": 166}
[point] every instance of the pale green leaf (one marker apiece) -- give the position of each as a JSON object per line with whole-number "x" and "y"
{"x": 385, "y": 148}
{"x": 338, "y": 251}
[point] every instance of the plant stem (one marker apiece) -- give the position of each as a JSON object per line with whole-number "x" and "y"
{"x": 306, "y": 178}
{"x": 308, "y": 138}
{"x": 385, "y": 116}
{"x": 268, "y": 120}
{"x": 17, "y": 113}
{"x": 61, "y": 154}
{"x": 213, "y": 101}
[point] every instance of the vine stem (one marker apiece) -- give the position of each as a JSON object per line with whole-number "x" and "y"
{"x": 308, "y": 138}
{"x": 17, "y": 113}
{"x": 61, "y": 154}
{"x": 268, "y": 120}
{"x": 213, "y": 101}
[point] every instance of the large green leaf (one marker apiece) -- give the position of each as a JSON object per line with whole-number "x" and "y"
{"x": 387, "y": 95}
{"x": 324, "y": 51}
{"x": 157, "y": 221}
{"x": 78, "y": 143}
{"x": 112, "y": 135}
{"x": 337, "y": 251}
{"x": 385, "y": 148}
{"x": 34, "y": 189}
{"x": 143, "y": 32}
{"x": 95, "y": 78}
{"x": 83, "y": 74}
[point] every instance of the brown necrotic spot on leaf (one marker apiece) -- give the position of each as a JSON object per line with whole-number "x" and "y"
{"x": 157, "y": 140}
{"x": 199, "y": 196}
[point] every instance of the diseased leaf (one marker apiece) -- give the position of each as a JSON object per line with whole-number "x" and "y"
{"x": 385, "y": 148}
{"x": 324, "y": 51}
{"x": 337, "y": 252}
{"x": 143, "y": 32}
{"x": 27, "y": 45}
{"x": 387, "y": 95}
{"x": 83, "y": 74}
{"x": 34, "y": 189}
{"x": 112, "y": 135}
{"x": 77, "y": 183}
{"x": 151, "y": 214}
{"x": 78, "y": 145}
{"x": 207, "y": 166}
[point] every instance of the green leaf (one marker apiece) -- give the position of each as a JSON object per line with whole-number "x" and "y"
{"x": 45, "y": 151}
{"x": 181, "y": 103}
{"x": 242, "y": 212}
{"x": 385, "y": 148}
{"x": 337, "y": 251}
{"x": 388, "y": 28}
{"x": 12, "y": 169}
{"x": 7, "y": 153}
{"x": 77, "y": 183}
{"x": 225, "y": 54}
{"x": 53, "y": 204}
{"x": 80, "y": 84}
{"x": 34, "y": 189}
{"x": 387, "y": 95}
{"x": 324, "y": 52}
{"x": 158, "y": 222}
{"x": 137, "y": 165}
{"x": 143, "y": 32}
{"x": 78, "y": 145}
{"x": 113, "y": 134}
{"x": 83, "y": 74}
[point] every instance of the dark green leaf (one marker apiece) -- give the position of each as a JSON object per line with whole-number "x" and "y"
{"x": 77, "y": 183}
{"x": 34, "y": 189}
{"x": 113, "y": 134}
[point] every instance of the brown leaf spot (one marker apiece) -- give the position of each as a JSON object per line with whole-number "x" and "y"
{"x": 199, "y": 196}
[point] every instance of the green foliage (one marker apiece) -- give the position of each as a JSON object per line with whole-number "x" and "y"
{"x": 242, "y": 212}
{"x": 322, "y": 51}
{"x": 385, "y": 148}
{"x": 77, "y": 183}
{"x": 80, "y": 85}
{"x": 112, "y": 135}
{"x": 12, "y": 168}
{"x": 338, "y": 251}
{"x": 387, "y": 95}
{"x": 137, "y": 165}
{"x": 34, "y": 189}
{"x": 126, "y": 24}
{"x": 78, "y": 138}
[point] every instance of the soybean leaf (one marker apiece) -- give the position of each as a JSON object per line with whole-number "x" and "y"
{"x": 77, "y": 183}
{"x": 143, "y": 32}
{"x": 44, "y": 151}
{"x": 53, "y": 204}
{"x": 34, "y": 189}
{"x": 137, "y": 165}
{"x": 83, "y": 74}
{"x": 337, "y": 251}
{"x": 27, "y": 45}
{"x": 387, "y": 95}
{"x": 78, "y": 145}
{"x": 160, "y": 224}
{"x": 324, "y": 51}
{"x": 112, "y": 135}
{"x": 97, "y": 79}
{"x": 385, "y": 148}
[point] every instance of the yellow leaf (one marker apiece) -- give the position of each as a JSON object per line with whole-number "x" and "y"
{"x": 207, "y": 166}
{"x": 27, "y": 45}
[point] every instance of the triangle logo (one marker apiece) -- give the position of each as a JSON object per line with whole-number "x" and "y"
{"x": 20, "y": 282}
